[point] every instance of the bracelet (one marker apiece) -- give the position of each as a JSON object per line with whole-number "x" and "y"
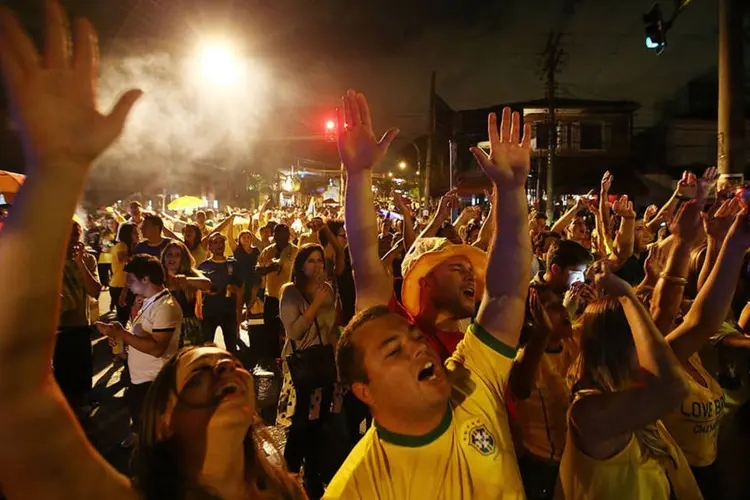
{"x": 674, "y": 279}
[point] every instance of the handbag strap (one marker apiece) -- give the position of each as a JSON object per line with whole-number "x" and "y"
{"x": 315, "y": 322}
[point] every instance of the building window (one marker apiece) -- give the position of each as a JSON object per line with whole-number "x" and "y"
{"x": 591, "y": 136}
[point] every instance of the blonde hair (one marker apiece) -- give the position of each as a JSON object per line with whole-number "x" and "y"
{"x": 606, "y": 365}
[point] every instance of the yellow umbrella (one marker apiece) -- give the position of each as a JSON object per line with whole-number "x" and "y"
{"x": 185, "y": 203}
{"x": 10, "y": 183}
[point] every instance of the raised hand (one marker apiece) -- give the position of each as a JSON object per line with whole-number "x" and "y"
{"x": 607, "y": 179}
{"x": 687, "y": 187}
{"x": 509, "y": 161}
{"x": 717, "y": 224}
{"x": 358, "y": 148}
{"x": 538, "y": 311}
{"x": 706, "y": 183}
{"x": 687, "y": 223}
{"x": 650, "y": 213}
{"x": 655, "y": 263}
{"x": 608, "y": 282}
{"x": 448, "y": 202}
{"x": 52, "y": 98}
{"x": 316, "y": 224}
{"x": 623, "y": 207}
{"x": 402, "y": 204}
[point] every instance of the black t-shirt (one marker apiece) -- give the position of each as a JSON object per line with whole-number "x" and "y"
{"x": 246, "y": 263}
{"x": 187, "y": 305}
{"x": 93, "y": 239}
{"x": 221, "y": 275}
{"x": 632, "y": 271}
{"x": 153, "y": 250}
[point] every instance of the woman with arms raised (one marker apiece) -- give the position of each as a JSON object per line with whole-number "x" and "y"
{"x": 201, "y": 398}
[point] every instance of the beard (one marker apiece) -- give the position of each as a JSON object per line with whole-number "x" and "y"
{"x": 456, "y": 305}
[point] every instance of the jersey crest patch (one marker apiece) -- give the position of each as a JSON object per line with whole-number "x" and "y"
{"x": 481, "y": 439}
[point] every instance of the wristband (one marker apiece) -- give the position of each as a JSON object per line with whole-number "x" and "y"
{"x": 674, "y": 279}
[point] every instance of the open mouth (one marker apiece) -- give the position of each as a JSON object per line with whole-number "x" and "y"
{"x": 469, "y": 292}
{"x": 427, "y": 372}
{"x": 228, "y": 390}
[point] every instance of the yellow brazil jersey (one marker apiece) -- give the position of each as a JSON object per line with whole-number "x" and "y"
{"x": 200, "y": 255}
{"x": 469, "y": 456}
{"x": 118, "y": 268}
{"x": 543, "y": 415}
{"x": 625, "y": 476}
{"x": 695, "y": 425}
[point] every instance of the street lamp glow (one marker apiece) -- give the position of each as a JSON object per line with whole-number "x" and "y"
{"x": 219, "y": 63}
{"x": 402, "y": 165}
{"x": 390, "y": 174}
{"x": 330, "y": 125}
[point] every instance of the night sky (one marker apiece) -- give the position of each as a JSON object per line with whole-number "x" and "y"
{"x": 485, "y": 52}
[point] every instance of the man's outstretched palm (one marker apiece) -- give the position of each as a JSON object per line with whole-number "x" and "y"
{"x": 53, "y": 97}
{"x": 358, "y": 147}
{"x": 509, "y": 161}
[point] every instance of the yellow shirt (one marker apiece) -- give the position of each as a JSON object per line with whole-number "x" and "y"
{"x": 625, "y": 476}
{"x": 275, "y": 280}
{"x": 695, "y": 426}
{"x": 470, "y": 455}
{"x": 118, "y": 268}
{"x": 543, "y": 415}
{"x": 200, "y": 254}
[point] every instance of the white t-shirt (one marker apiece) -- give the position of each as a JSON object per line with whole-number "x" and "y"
{"x": 160, "y": 313}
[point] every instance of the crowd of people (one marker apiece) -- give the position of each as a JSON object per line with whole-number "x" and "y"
{"x": 490, "y": 356}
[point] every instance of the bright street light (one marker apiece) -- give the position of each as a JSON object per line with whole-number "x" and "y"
{"x": 219, "y": 63}
{"x": 390, "y": 174}
{"x": 330, "y": 125}
{"x": 402, "y": 165}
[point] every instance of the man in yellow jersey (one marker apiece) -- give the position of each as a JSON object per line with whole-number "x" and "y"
{"x": 440, "y": 432}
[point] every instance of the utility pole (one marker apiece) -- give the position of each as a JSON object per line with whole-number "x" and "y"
{"x": 731, "y": 134}
{"x": 552, "y": 58}
{"x": 430, "y": 139}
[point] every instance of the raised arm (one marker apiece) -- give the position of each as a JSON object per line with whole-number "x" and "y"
{"x": 681, "y": 192}
{"x": 224, "y": 224}
{"x": 486, "y": 231}
{"x": 360, "y": 151}
{"x": 448, "y": 202}
{"x": 625, "y": 237}
{"x": 409, "y": 234}
{"x": 713, "y": 301}
{"x": 501, "y": 312}
{"x": 604, "y": 422}
{"x": 44, "y": 452}
{"x": 716, "y": 226}
{"x": 525, "y": 369}
{"x": 339, "y": 255}
{"x": 670, "y": 286}
{"x": 564, "y": 221}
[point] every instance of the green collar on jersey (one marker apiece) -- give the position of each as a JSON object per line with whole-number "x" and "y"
{"x": 416, "y": 441}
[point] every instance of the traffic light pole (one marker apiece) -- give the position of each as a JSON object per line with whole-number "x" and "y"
{"x": 731, "y": 133}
